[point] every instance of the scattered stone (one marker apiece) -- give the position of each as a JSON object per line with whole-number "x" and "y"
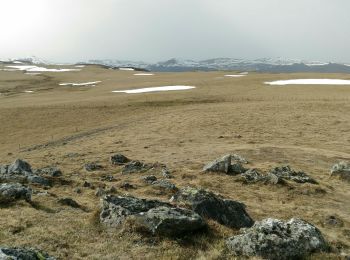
{"x": 275, "y": 239}
{"x": 109, "y": 178}
{"x": 10, "y": 192}
{"x": 166, "y": 173}
{"x": 87, "y": 184}
{"x": 16, "y": 253}
{"x": 286, "y": 173}
{"x": 333, "y": 221}
{"x": 238, "y": 158}
{"x": 136, "y": 166}
{"x": 115, "y": 209}
{"x": 119, "y": 159}
{"x": 69, "y": 202}
{"x": 224, "y": 165}
{"x": 149, "y": 179}
{"x": 78, "y": 190}
{"x": 38, "y": 180}
{"x": 127, "y": 186}
{"x": 169, "y": 221}
{"x": 342, "y": 170}
{"x": 100, "y": 192}
{"x": 49, "y": 171}
{"x": 165, "y": 184}
{"x": 209, "y": 205}
{"x": 90, "y": 167}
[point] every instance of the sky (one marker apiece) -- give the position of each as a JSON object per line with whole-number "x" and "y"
{"x": 157, "y": 30}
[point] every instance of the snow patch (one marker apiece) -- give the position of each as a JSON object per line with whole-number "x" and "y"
{"x": 236, "y": 75}
{"x": 28, "y": 91}
{"x": 309, "y": 82}
{"x": 31, "y": 68}
{"x": 93, "y": 83}
{"x": 127, "y": 69}
{"x": 143, "y": 74}
{"x": 153, "y": 89}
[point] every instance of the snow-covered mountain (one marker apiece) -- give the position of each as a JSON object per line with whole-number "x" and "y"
{"x": 272, "y": 65}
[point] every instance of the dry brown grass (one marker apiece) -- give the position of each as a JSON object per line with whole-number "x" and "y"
{"x": 306, "y": 127}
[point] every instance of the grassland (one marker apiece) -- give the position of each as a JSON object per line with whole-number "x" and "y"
{"x": 307, "y": 127}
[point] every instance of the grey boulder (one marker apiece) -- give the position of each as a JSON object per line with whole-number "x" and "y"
{"x": 16, "y": 253}
{"x": 341, "y": 170}
{"x": 225, "y": 165}
{"x": 276, "y": 239}
{"x": 209, "y": 205}
{"x": 119, "y": 159}
{"x": 152, "y": 216}
{"x": 169, "y": 221}
{"x": 286, "y": 173}
{"x": 10, "y": 192}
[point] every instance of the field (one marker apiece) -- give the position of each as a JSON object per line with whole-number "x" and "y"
{"x": 307, "y": 127}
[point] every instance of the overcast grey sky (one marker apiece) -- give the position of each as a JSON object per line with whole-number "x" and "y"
{"x": 153, "y": 30}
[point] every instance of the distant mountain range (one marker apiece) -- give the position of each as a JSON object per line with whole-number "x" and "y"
{"x": 177, "y": 65}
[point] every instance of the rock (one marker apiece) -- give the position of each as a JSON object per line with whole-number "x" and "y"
{"x": 127, "y": 186}
{"x": 112, "y": 190}
{"x": 224, "y": 165}
{"x": 87, "y": 184}
{"x": 238, "y": 158}
{"x": 90, "y": 167}
{"x": 165, "y": 184}
{"x": 119, "y": 159}
{"x": 100, "y": 192}
{"x": 209, "y": 205}
{"x": 166, "y": 173}
{"x": 109, "y": 178}
{"x": 19, "y": 167}
{"x": 78, "y": 190}
{"x": 275, "y": 239}
{"x": 10, "y": 192}
{"x": 149, "y": 179}
{"x": 286, "y": 173}
{"x": 16, "y": 253}
{"x": 38, "y": 180}
{"x": 115, "y": 209}
{"x": 21, "y": 171}
{"x": 253, "y": 176}
{"x": 169, "y": 221}
{"x": 342, "y": 170}
{"x": 333, "y": 221}
{"x": 49, "y": 171}
{"x": 69, "y": 202}
{"x": 3, "y": 169}
{"x": 136, "y": 166}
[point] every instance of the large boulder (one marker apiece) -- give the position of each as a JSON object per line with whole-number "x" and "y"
{"x": 276, "y": 239}
{"x": 149, "y": 215}
{"x": 119, "y": 159}
{"x": 341, "y": 170}
{"x": 286, "y": 173}
{"x": 169, "y": 221}
{"x": 16, "y": 253}
{"x": 21, "y": 171}
{"x": 115, "y": 209}
{"x": 10, "y": 192}
{"x": 209, "y": 205}
{"x": 225, "y": 165}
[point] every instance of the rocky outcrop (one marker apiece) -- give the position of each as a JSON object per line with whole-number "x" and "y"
{"x": 286, "y": 173}
{"x": 169, "y": 221}
{"x": 209, "y": 205}
{"x": 119, "y": 159}
{"x": 90, "y": 167}
{"x": 21, "y": 171}
{"x": 10, "y": 192}
{"x": 51, "y": 171}
{"x": 226, "y": 165}
{"x": 165, "y": 184}
{"x": 276, "y": 239}
{"x": 16, "y": 253}
{"x": 341, "y": 170}
{"x": 254, "y": 176}
{"x": 151, "y": 215}
{"x": 136, "y": 167}
{"x": 149, "y": 179}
